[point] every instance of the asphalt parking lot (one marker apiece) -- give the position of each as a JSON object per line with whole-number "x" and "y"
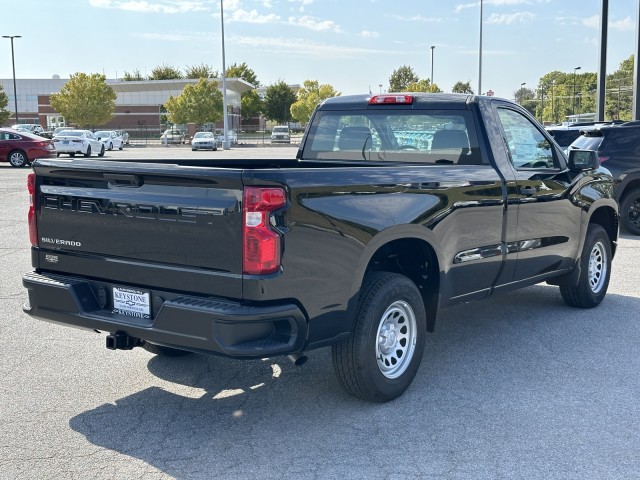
{"x": 517, "y": 386}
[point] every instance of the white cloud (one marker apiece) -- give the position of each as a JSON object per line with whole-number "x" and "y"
{"x": 368, "y": 34}
{"x": 498, "y": 3}
{"x": 418, "y": 18}
{"x": 625, "y": 25}
{"x": 302, "y": 47}
{"x": 509, "y": 18}
{"x": 252, "y": 17}
{"x": 315, "y": 24}
{"x": 592, "y": 22}
{"x": 161, "y": 6}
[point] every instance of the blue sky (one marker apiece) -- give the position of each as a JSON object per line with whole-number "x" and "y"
{"x": 352, "y": 45}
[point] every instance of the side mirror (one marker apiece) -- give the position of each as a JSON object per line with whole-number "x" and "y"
{"x": 581, "y": 160}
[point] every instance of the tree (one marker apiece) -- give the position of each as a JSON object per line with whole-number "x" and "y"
{"x": 278, "y": 101}
{"x": 251, "y": 103}
{"x": 85, "y": 100}
{"x": 309, "y": 96}
{"x": 462, "y": 87}
{"x": 134, "y": 76}
{"x": 201, "y": 71}
{"x": 4, "y": 101}
{"x": 619, "y": 97}
{"x": 244, "y": 72}
{"x": 199, "y": 103}
{"x": 423, "y": 85}
{"x": 165, "y": 72}
{"x": 401, "y": 78}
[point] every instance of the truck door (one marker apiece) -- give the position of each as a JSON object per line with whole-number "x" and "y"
{"x": 548, "y": 225}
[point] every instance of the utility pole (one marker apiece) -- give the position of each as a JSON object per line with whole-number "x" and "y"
{"x": 13, "y": 63}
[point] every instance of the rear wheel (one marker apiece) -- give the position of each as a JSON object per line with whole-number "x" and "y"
{"x": 101, "y": 154}
{"x": 595, "y": 271}
{"x": 630, "y": 211}
{"x": 163, "y": 351}
{"x": 88, "y": 152}
{"x": 380, "y": 359}
{"x": 72, "y": 154}
{"x": 18, "y": 159}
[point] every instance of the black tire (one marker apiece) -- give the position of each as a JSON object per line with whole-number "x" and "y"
{"x": 18, "y": 159}
{"x": 72, "y": 154}
{"x": 110, "y": 146}
{"x": 121, "y": 147}
{"x": 595, "y": 271}
{"x": 630, "y": 211}
{"x": 88, "y": 154}
{"x": 57, "y": 154}
{"x": 101, "y": 154}
{"x": 163, "y": 351}
{"x": 381, "y": 357}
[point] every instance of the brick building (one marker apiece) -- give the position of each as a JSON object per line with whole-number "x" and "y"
{"x": 138, "y": 104}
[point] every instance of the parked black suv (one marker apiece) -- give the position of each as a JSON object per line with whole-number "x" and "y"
{"x": 564, "y": 135}
{"x": 618, "y": 149}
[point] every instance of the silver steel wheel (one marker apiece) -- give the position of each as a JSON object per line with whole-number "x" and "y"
{"x": 17, "y": 159}
{"x": 597, "y": 267}
{"x": 396, "y": 339}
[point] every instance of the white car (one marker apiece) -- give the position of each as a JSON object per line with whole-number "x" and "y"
{"x": 233, "y": 136}
{"x": 34, "y": 128}
{"x": 280, "y": 134}
{"x": 110, "y": 139}
{"x": 204, "y": 141}
{"x": 78, "y": 142}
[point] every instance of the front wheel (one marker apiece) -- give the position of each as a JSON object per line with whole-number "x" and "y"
{"x": 88, "y": 152}
{"x": 595, "y": 271}
{"x": 380, "y": 359}
{"x": 18, "y": 159}
{"x": 101, "y": 154}
{"x": 630, "y": 211}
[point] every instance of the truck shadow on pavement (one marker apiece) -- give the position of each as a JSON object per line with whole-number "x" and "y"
{"x": 523, "y": 361}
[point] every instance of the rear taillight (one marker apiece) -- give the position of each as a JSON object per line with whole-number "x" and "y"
{"x": 603, "y": 159}
{"x": 33, "y": 227}
{"x": 261, "y": 243}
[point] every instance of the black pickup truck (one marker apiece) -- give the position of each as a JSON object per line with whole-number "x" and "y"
{"x": 396, "y": 205}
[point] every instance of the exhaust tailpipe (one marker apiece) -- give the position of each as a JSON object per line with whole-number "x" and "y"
{"x": 298, "y": 359}
{"x": 121, "y": 341}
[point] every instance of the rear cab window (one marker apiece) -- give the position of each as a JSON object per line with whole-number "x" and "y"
{"x": 420, "y": 136}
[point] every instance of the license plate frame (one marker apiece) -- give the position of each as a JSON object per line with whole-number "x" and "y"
{"x": 131, "y": 302}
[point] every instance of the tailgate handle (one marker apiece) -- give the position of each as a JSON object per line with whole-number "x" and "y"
{"x": 123, "y": 180}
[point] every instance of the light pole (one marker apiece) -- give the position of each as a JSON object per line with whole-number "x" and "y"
{"x": 433, "y": 47}
{"x": 480, "y": 54}
{"x": 225, "y": 143}
{"x": 13, "y": 63}
{"x": 553, "y": 113}
{"x": 574, "y": 89}
{"x": 521, "y": 94}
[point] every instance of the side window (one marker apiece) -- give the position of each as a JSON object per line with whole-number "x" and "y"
{"x": 528, "y": 147}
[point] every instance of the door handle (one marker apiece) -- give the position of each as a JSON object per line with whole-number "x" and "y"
{"x": 528, "y": 191}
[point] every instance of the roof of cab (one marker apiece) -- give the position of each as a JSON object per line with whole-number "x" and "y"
{"x": 420, "y": 101}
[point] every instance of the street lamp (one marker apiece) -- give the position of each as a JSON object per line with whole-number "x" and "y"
{"x": 13, "y": 63}
{"x": 480, "y": 53}
{"x": 574, "y": 89}
{"x": 433, "y": 47}
{"x": 553, "y": 112}
{"x": 225, "y": 142}
{"x": 521, "y": 93}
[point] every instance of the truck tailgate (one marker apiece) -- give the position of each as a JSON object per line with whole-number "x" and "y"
{"x": 169, "y": 217}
